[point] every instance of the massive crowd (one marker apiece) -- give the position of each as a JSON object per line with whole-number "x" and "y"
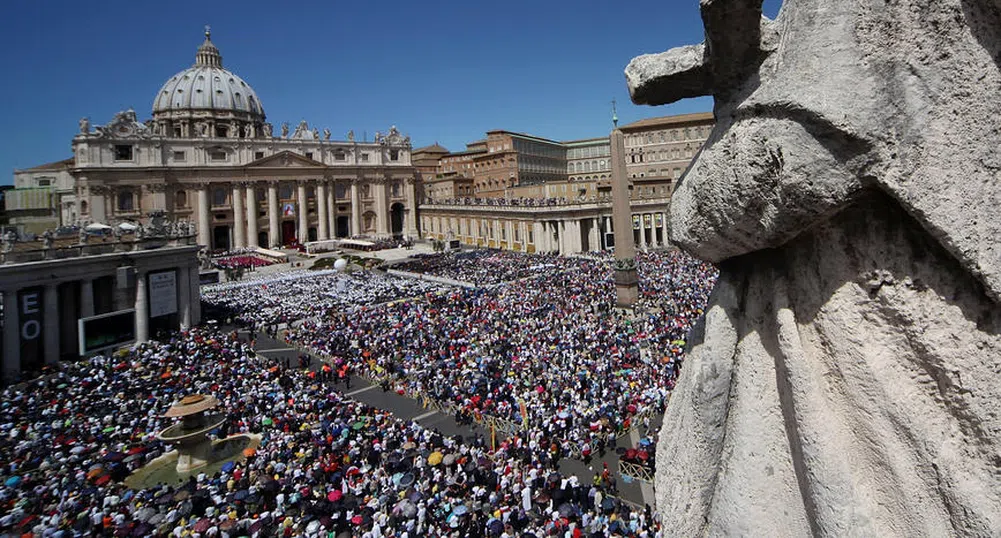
{"x": 327, "y": 465}
{"x": 485, "y": 267}
{"x": 546, "y": 352}
{"x": 287, "y": 297}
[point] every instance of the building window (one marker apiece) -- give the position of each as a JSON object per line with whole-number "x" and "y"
{"x": 219, "y": 197}
{"x": 217, "y": 155}
{"x": 396, "y": 189}
{"x": 123, "y": 152}
{"x": 364, "y": 191}
{"x": 126, "y": 201}
{"x": 179, "y": 156}
{"x": 258, "y": 155}
{"x": 181, "y": 199}
{"x": 44, "y": 182}
{"x": 177, "y": 131}
{"x": 394, "y": 154}
{"x": 339, "y": 156}
{"x": 309, "y": 154}
{"x": 285, "y": 192}
{"x": 364, "y": 157}
{"x": 340, "y": 191}
{"x": 221, "y": 131}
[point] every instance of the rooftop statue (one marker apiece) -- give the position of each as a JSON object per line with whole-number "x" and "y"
{"x": 845, "y": 381}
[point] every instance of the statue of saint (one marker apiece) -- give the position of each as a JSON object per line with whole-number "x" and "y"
{"x": 84, "y": 125}
{"x": 267, "y": 130}
{"x": 351, "y": 136}
{"x": 284, "y": 129}
{"x": 326, "y": 134}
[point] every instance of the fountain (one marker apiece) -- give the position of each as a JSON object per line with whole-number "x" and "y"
{"x": 196, "y": 452}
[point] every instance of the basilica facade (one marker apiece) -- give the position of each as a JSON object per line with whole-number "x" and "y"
{"x": 208, "y": 156}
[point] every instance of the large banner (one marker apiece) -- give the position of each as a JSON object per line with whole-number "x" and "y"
{"x": 30, "y": 314}
{"x": 162, "y": 293}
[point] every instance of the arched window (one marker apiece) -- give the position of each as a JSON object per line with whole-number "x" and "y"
{"x": 181, "y": 199}
{"x": 126, "y": 201}
{"x": 83, "y": 207}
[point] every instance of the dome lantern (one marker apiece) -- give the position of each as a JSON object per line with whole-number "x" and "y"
{"x": 208, "y": 55}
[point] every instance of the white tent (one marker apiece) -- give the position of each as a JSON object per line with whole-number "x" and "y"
{"x": 127, "y": 227}
{"x": 97, "y": 227}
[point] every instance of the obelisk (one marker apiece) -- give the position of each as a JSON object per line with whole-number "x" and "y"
{"x": 626, "y": 282}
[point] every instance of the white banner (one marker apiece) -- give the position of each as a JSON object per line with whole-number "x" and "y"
{"x": 162, "y": 293}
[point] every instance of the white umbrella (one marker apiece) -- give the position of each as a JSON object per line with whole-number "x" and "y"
{"x": 127, "y": 227}
{"x": 97, "y": 227}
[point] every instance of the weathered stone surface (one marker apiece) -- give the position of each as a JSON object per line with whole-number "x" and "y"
{"x": 849, "y": 378}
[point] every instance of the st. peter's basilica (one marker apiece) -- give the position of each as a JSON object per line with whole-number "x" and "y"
{"x": 208, "y": 156}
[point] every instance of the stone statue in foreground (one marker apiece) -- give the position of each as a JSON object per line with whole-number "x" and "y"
{"x": 847, "y": 378}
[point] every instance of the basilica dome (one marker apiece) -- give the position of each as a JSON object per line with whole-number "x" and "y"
{"x": 207, "y": 94}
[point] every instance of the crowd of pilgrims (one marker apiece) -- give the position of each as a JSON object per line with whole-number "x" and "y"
{"x": 547, "y": 354}
{"x": 327, "y": 465}
{"x": 278, "y": 298}
{"x": 484, "y": 267}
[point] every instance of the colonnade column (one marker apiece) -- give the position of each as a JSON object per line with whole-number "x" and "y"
{"x": 86, "y": 297}
{"x": 381, "y": 211}
{"x": 303, "y": 212}
{"x": 195, "y": 294}
{"x": 322, "y": 222}
{"x": 510, "y": 234}
{"x": 355, "y": 209}
{"x": 252, "y": 210}
{"x": 204, "y": 225}
{"x": 11, "y": 336}
{"x": 274, "y": 237}
{"x": 332, "y": 210}
{"x": 50, "y": 299}
{"x": 142, "y": 308}
{"x": 239, "y": 219}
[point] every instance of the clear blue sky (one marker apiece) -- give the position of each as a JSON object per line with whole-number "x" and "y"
{"x": 440, "y": 71}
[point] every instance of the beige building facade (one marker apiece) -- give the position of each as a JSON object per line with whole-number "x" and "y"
{"x": 208, "y": 156}
{"x": 43, "y": 198}
{"x": 567, "y": 207}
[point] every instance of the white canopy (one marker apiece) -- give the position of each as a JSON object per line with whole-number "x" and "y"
{"x": 127, "y": 227}
{"x": 96, "y": 227}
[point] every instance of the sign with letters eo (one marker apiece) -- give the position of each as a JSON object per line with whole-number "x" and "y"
{"x": 29, "y": 316}
{"x": 162, "y": 293}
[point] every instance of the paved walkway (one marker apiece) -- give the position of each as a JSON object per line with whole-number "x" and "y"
{"x": 409, "y": 409}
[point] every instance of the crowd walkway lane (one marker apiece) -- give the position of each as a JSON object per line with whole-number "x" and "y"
{"x": 408, "y": 409}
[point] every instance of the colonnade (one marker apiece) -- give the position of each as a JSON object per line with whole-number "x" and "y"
{"x": 41, "y": 306}
{"x": 536, "y": 233}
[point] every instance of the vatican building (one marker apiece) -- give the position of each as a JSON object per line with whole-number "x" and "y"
{"x": 208, "y": 156}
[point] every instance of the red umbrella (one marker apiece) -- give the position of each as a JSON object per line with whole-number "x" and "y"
{"x": 335, "y": 495}
{"x": 202, "y": 525}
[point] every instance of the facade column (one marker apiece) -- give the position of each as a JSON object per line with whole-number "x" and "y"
{"x": 98, "y": 210}
{"x": 594, "y": 243}
{"x": 195, "y": 295}
{"x": 322, "y": 221}
{"x": 204, "y": 223}
{"x": 86, "y": 297}
{"x": 331, "y": 209}
{"x": 252, "y": 211}
{"x": 303, "y": 212}
{"x": 50, "y": 322}
{"x": 381, "y": 211}
{"x": 642, "y": 232}
{"x": 578, "y": 240}
{"x": 239, "y": 218}
{"x": 410, "y": 224}
{"x": 274, "y": 228}
{"x": 11, "y": 336}
{"x": 666, "y": 229}
{"x": 355, "y": 209}
{"x": 142, "y": 308}
{"x": 184, "y": 299}
{"x": 537, "y": 236}
{"x": 509, "y": 224}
